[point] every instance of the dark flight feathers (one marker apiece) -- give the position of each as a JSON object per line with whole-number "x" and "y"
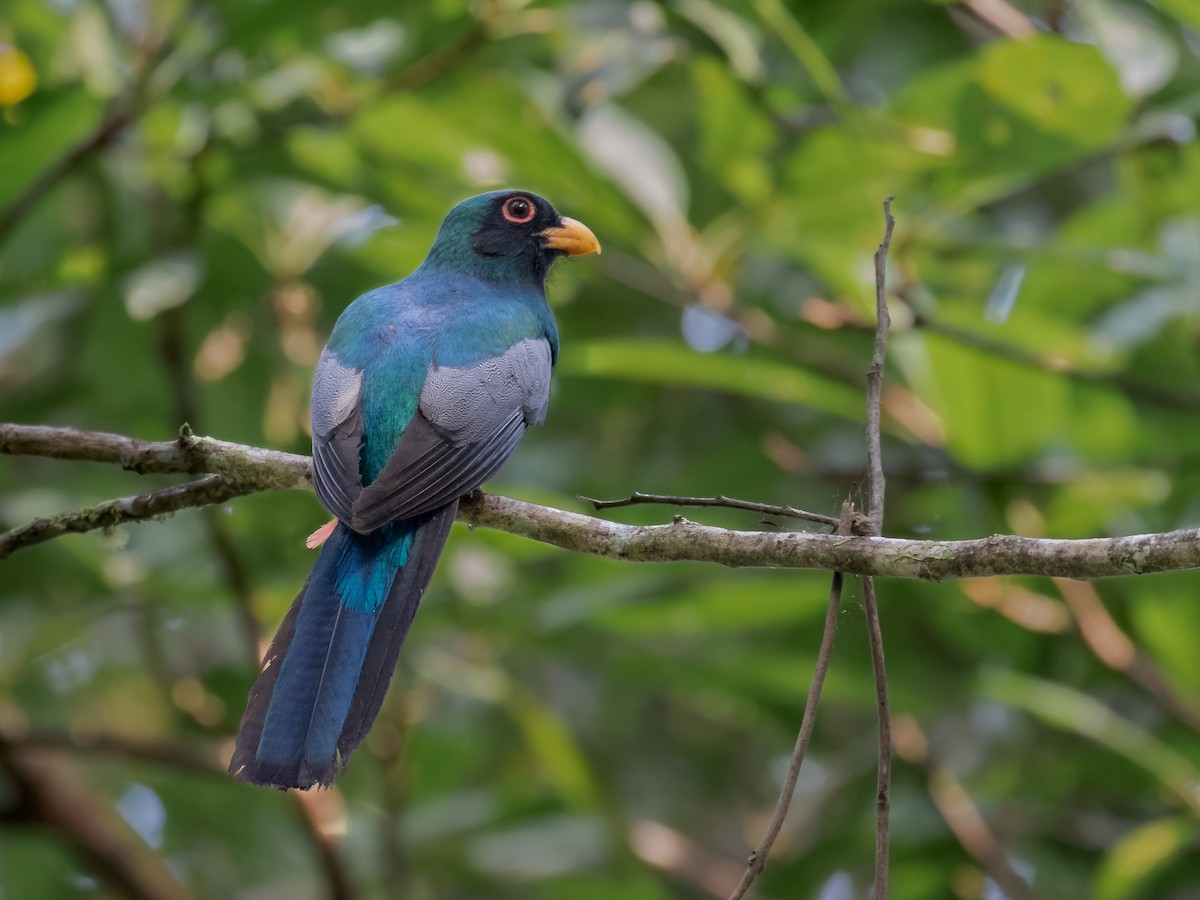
{"x": 468, "y": 423}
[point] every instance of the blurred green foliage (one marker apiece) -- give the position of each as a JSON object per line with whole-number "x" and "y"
{"x": 194, "y": 191}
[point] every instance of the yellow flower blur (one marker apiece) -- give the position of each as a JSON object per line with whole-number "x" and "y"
{"x": 17, "y": 76}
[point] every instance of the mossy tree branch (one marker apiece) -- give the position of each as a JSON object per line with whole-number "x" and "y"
{"x": 253, "y": 469}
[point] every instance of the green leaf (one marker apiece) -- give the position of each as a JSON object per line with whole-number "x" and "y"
{"x": 1129, "y": 868}
{"x": 43, "y": 133}
{"x": 996, "y": 413}
{"x": 737, "y": 138}
{"x": 1186, "y": 11}
{"x": 1166, "y": 618}
{"x": 722, "y": 608}
{"x": 668, "y": 363}
{"x": 1069, "y": 709}
{"x": 552, "y": 743}
{"x": 601, "y": 887}
{"x": 1064, "y": 89}
{"x": 1017, "y": 111}
{"x": 733, "y": 34}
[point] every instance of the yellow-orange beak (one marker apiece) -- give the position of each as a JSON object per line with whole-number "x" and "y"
{"x": 571, "y": 237}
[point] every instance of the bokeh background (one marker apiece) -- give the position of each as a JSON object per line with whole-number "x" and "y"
{"x": 190, "y": 192}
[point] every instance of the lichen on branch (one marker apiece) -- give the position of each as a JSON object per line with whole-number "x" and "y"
{"x": 249, "y": 470}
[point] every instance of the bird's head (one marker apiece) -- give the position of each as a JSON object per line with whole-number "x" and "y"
{"x": 509, "y": 234}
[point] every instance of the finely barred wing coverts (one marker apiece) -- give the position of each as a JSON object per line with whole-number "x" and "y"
{"x": 337, "y": 434}
{"x": 469, "y": 421}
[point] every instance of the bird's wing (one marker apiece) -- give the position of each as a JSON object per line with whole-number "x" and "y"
{"x": 337, "y": 434}
{"x": 469, "y": 420}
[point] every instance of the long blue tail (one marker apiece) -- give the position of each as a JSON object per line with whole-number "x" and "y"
{"x": 325, "y": 675}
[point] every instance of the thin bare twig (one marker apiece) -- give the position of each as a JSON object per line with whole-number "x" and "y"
{"x": 883, "y": 777}
{"x": 1006, "y": 19}
{"x": 121, "y": 113}
{"x": 49, "y": 792}
{"x": 758, "y": 857}
{"x": 438, "y": 62}
{"x": 173, "y": 353}
{"x": 875, "y": 477}
{"x": 420, "y": 73}
{"x": 962, "y": 815}
{"x": 194, "y": 757}
{"x": 237, "y": 579}
{"x": 770, "y": 509}
{"x": 206, "y": 491}
{"x": 848, "y": 523}
{"x": 1116, "y": 649}
{"x": 971, "y": 830}
{"x": 125, "y": 868}
{"x": 310, "y": 807}
{"x": 256, "y": 469}
{"x": 876, "y": 491}
{"x": 674, "y": 853}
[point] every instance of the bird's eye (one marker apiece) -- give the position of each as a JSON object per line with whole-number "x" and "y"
{"x": 519, "y": 210}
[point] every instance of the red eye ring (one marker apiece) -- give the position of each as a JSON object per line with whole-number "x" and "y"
{"x": 519, "y": 210}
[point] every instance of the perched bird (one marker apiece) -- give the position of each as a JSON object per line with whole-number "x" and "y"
{"x": 423, "y": 391}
